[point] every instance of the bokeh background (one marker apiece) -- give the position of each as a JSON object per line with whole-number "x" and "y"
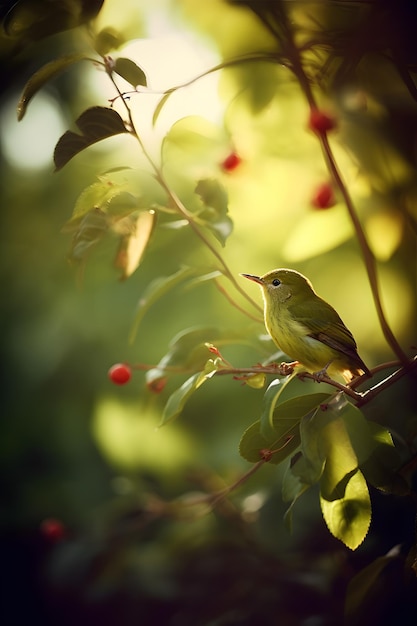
{"x": 79, "y": 450}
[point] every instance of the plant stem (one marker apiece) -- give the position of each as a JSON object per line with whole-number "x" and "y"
{"x": 182, "y": 210}
{"x": 367, "y": 254}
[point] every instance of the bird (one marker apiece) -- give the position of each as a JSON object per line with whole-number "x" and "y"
{"x": 306, "y": 328}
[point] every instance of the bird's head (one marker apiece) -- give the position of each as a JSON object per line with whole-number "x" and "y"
{"x": 282, "y": 284}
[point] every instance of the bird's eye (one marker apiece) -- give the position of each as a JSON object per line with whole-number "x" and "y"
{"x": 276, "y": 282}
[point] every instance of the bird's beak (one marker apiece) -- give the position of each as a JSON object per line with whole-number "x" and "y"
{"x": 256, "y": 279}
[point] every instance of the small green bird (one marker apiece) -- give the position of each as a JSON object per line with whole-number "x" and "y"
{"x": 306, "y": 327}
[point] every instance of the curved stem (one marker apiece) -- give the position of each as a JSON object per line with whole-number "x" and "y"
{"x": 367, "y": 254}
{"x": 182, "y": 210}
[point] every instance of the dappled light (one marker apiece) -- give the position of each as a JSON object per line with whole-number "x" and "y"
{"x": 129, "y": 437}
{"x": 209, "y": 304}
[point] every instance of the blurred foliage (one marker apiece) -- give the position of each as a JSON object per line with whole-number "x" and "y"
{"x": 153, "y": 532}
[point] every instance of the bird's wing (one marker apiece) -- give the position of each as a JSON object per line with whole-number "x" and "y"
{"x": 332, "y": 332}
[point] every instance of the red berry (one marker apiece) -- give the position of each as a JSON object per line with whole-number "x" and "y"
{"x": 120, "y": 374}
{"x": 157, "y": 385}
{"x": 231, "y": 162}
{"x": 323, "y": 197}
{"x": 321, "y": 122}
{"x": 52, "y": 529}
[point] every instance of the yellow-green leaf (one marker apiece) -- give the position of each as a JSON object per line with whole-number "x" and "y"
{"x": 340, "y": 456}
{"x": 177, "y": 400}
{"x": 349, "y": 517}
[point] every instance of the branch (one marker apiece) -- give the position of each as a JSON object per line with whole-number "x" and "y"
{"x": 367, "y": 254}
{"x": 181, "y": 209}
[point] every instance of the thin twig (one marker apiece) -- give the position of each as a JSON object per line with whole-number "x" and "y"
{"x": 367, "y": 254}
{"x": 182, "y": 210}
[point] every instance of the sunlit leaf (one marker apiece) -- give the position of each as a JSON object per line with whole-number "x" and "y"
{"x": 95, "y": 124}
{"x": 134, "y": 243}
{"x": 311, "y": 428}
{"x": 349, "y": 517}
{"x": 188, "y": 350}
{"x": 132, "y": 73}
{"x": 256, "y": 381}
{"x": 96, "y": 195}
{"x": 42, "y": 76}
{"x": 202, "y": 279}
{"x": 340, "y": 458}
{"x": 160, "y": 106}
{"x": 177, "y": 400}
{"x": 211, "y": 367}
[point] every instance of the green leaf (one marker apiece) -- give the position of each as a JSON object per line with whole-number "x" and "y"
{"x": 212, "y": 194}
{"x": 256, "y": 381}
{"x": 132, "y": 73}
{"x": 253, "y": 444}
{"x": 292, "y": 489}
{"x": 380, "y": 468}
{"x": 214, "y": 198}
{"x": 349, "y": 517}
{"x": 91, "y": 229}
{"x": 341, "y": 460}
{"x": 95, "y": 124}
{"x": 177, "y": 400}
{"x": 283, "y": 437}
{"x": 97, "y": 195}
{"x": 311, "y": 427}
{"x": 289, "y": 417}
{"x": 202, "y": 278}
{"x": 188, "y": 349}
{"x": 160, "y": 105}
{"x": 42, "y": 76}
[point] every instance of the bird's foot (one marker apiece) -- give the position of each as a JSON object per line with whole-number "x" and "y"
{"x": 320, "y": 376}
